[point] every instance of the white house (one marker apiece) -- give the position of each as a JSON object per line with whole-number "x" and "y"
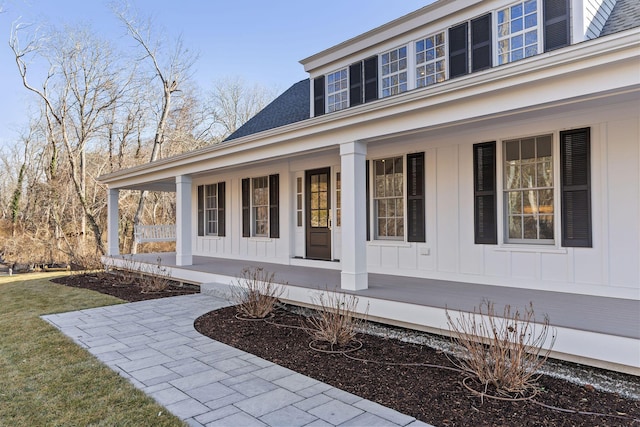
{"x": 471, "y": 149}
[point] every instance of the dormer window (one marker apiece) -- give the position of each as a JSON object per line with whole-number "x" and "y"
{"x": 337, "y": 90}
{"x": 517, "y": 30}
{"x": 394, "y": 71}
{"x": 430, "y": 60}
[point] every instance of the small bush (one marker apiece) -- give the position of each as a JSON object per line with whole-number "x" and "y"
{"x": 503, "y": 351}
{"x": 256, "y": 294}
{"x": 335, "y": 323}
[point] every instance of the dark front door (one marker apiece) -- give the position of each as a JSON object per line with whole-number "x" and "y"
{"x": 318, "y": 206}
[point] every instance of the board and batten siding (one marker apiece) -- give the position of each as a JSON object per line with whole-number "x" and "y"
{"x": 609, "y": 268}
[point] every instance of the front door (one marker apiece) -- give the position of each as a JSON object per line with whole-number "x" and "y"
{"x": 318, "y": 206}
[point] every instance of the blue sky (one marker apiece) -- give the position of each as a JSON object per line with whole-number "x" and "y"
{"x": 257, "y": 40}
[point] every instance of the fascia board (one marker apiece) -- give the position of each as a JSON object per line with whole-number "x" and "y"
{"x": 312, "y": 133}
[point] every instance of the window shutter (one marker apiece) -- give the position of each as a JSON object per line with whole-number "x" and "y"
{"x": 368, "y": 199}
{"x": 221, "y": 209}
{"x": 484, "y": 192}
{"x": 371, "y": 79}
{"x": 556, "y": 24}
{"x": 246, "y": 207}
{"x": 575, "y": 175}
{"x": 481, "y": 43}
{"x": 355, "y": 84}
{"x": 415, "y": 197}
{"x": 200, "y": 210}
{"x": 274, "y": 206}
{"x": 318, "y": 96}
{"x": 458, "y": 51}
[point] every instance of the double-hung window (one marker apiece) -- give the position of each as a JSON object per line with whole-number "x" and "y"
{"x": 388, "y": 196}
{"x": 337, "y": 90}
{"x": 518, "y": 35}
{"x": 260, "y": 206}
{"x": 393, "y": 65}
{"x": 211, "y": 207}
{"x": 430, "y": 60}
{"x": 528, "y": 190}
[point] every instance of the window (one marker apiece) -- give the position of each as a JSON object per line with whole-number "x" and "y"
{"x": 430, "y": 60}
{"x": 389, "y": 198}
{"x": 528, "y": 190}
{"x": 211, "y": 204}
{"x": 337, "y": 90}
{"x": 260, "y": 207}
{"x": 394, "y": 71}
{"x": 211, "y": 209}
{"x": 517, "y": 31}
{"x": 299, "y": 201}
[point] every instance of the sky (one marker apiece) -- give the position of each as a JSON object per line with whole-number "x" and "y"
{"x": 259, "y": 41}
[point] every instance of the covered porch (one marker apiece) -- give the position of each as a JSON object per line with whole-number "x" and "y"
{"x": 580, "y": 321}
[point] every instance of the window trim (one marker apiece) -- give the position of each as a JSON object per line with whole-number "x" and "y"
{"x": 409, "y": 70}
{"x": 497, "y": 38}
{"x": 273, "y": 207}
{"x": 202, "y": 210}
{"x": 346, "y": 90}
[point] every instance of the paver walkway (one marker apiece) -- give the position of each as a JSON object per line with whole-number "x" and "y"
{"x": 207, "y": 383}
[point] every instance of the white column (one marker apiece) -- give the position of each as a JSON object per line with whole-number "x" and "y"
{"x": 354, "y": 213}
{"x": 113, "y": 220}
{"x": 183, "y": 221}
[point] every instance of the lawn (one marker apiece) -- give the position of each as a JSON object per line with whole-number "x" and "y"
{"x": 46, "y": 379}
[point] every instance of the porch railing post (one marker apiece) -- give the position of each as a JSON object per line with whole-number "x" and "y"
{"x": 354, "y": 230}
{"x": 183, "y": 221}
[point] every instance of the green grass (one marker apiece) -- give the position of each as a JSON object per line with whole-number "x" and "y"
{"x": 47, "y": 380}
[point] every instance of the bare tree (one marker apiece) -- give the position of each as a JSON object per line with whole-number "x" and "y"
{"x": 76, "y": 93}
{"x": 232, "y": 102}
{"x": 170, "y": 68}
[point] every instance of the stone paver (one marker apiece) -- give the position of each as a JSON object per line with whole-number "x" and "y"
{"x": 207, "y": 383}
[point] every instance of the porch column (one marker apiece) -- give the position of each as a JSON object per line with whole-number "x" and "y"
{"x": 183, "y": 220}
{"x": 354, "y": 210}
{"x": 113, "y": 219}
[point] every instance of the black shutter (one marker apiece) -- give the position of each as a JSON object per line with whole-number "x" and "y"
{"x": 368, "y": 199}
{"x": 371, "y": 79}
{"x": 200, "y": 210}
{"x": 246, "y": 207}
{"x": 481, "y": 43}
{"x": 355, "y": 84}
{"x": 484, "y": 192}
{"x": 458, "y": 52}
{"x": 318, "y": 96}
{"x": 575, "y": 175}
{"x": 221, "y": 210}
{"x": 556, "y": 24}
{"x": 274, "y": 206}
{"x": 415, "y": 197}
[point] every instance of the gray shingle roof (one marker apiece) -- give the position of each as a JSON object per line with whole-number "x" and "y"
{"x": 290, "y": 107}
{"x": 624, "y": 16}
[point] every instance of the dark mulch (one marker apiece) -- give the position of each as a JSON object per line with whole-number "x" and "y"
{"x": 433, "y": 395}
{"x": 131, "y": 291}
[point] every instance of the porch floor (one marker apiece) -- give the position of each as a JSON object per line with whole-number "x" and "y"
{"x": 610, "y": 316}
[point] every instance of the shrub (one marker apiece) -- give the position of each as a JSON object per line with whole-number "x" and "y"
{"x": 335, "y": 322}
{"x": 503, "y": 351}
{"x": 256, "y": 294}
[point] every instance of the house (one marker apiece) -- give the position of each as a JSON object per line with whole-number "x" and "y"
{"x": 468, "y": 150}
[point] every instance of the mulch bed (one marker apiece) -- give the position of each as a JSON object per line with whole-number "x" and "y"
{"x": 433, "y": 395}
{"x": 130, "y": 291}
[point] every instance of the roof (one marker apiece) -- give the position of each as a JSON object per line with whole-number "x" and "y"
{"x": 290, "y": 107}
{"x": 624, "y": 16}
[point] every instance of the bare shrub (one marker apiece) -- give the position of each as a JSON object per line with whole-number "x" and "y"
{"x": 256, "y": 294}
{"x": 504, "y": 351}
{"x": 335, "y": 322}
{"x": 154, "y": 278}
